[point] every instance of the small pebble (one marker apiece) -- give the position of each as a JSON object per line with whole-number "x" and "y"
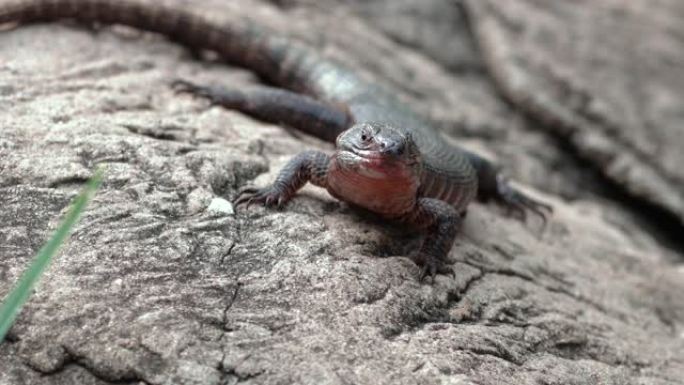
{"x": 221, "y": 206}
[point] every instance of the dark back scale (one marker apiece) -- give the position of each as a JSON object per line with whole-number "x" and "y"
{"x": 448, "y": 172}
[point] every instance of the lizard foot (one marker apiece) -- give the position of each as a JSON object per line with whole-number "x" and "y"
{"x": 185, "y": 87}
{"x": 519, "y": 203}
{"x": 268, "y": 196}
{"x": 431, "y": 266}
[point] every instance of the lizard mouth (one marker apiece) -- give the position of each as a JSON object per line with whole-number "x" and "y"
{"x": 371, "y": 163}
{"x": 381, "y": 159}
{"x": 372, "y": 155}
{"x": 371, "y": 159}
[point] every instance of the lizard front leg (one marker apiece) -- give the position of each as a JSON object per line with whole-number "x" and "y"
{"x": 441, "y": 223}
{"x": 308, "y": 166}
{"x": 281, "y": 107}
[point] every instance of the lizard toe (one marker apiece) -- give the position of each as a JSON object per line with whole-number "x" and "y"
{"x": 181, "y": 86}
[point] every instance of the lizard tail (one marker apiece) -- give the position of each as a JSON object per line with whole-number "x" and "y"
{"x": 275, "y": 58}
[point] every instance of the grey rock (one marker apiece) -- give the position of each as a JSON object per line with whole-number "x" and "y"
{"x": 602, "y": 75}
{"x": 154, "y": 288}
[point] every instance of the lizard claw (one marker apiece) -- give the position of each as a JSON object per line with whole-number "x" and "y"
{"x": 430, "y": 269}
{"x": 431, "y": 266}
{"x": 268, "y": 196}
{"x": 185, "y": 87}
{"x": 519, "y": 204}
{"x": 182, "y": 86}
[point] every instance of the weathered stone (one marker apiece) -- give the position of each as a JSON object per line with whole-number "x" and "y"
{"x": 154, "y": 287}
{"x": 604, "y": 76}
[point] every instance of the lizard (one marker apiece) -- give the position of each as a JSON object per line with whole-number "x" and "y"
{"x": 388, "y": 159}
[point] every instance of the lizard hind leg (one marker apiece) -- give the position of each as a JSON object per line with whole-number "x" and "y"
{"x": 275, "y": 105}
{"x": 494, "y": 186}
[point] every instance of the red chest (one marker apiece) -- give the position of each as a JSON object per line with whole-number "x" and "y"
{"x": 389, "y": 194}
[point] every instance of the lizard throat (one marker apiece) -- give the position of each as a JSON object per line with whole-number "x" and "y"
{"x": 387, "y": 188}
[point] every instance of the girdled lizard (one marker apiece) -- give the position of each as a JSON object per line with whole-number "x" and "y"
{"x": 388, "y": 159}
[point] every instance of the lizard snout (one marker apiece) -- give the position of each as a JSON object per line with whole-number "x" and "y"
{"x": 393, "y": 148}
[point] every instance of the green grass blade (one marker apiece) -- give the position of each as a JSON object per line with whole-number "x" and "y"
{"x": 21, "y": 292}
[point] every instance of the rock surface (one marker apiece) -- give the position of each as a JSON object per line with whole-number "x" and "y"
{"x": 162, "y": 284}
{"x": 604, "y": 76}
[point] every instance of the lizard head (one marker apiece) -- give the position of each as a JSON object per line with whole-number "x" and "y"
{"x": 378, "y": 151}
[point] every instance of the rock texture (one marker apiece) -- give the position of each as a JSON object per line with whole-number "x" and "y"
{"x": 162, "y": 283}
{"x": 602, "y": 75}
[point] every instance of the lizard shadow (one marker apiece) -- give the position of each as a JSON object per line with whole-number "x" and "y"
{"x": 394, "y": 239}
{"x": 388, "y": 239}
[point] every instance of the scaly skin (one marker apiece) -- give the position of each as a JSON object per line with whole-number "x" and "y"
{"x": 388, "y": 159}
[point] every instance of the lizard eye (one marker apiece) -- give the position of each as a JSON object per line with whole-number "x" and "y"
{"x": 364, "y": 137}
